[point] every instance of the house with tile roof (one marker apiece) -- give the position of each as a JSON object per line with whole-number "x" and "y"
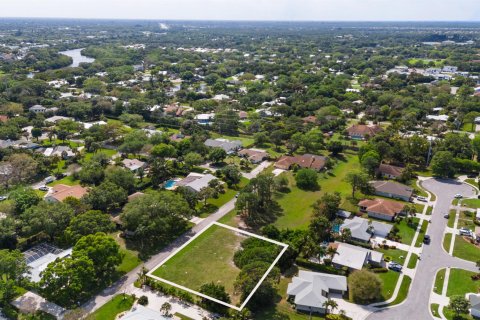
{"x": 60, "y": 192}
{"x": 389, "y": 171}
{"x": 363, "y": 131}
{"x": 310, "y": 161}
{"x": 381, "y": 208}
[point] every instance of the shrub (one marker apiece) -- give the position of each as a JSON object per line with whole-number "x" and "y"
{"x": 143, "y": 300}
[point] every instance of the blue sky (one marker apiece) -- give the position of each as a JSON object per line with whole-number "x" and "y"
{"x": 290, "y": 10}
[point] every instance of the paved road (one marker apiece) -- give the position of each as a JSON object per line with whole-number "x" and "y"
{"x": 433, "y": 258}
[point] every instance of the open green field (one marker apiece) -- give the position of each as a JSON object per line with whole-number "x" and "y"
{"x": 460, "y": 283}
{"x": 111, "y": 309}
{"x": 465, "y": 250}
{"x": 208, "y": 258}
{"x": 297, "y": 204}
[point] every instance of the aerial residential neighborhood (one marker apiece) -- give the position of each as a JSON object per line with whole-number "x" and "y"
{"x": 240, "y": 160}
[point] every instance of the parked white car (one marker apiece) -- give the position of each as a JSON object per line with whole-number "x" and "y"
{"x": 465, "y": 232}
{"x": 423, "y": 199}
{"x": 458, "y": 196}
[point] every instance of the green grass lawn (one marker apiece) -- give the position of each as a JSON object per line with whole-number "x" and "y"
{"x": 412, "y": 263}
{"x": 110, "y": 153}
{"x": 418, "y": 191}
{"x": 451, "y": 218}
{"x": 439, "y": 279}
{"x": 403, "y": 292}
{"x": 423, "y": 230}
{"x": 429, "y": 210}
{"x": 450, "y": 315}
{"x": 129, "y": 262}
{"x": 389, "y": 280}
{"x": 68, "y": 180}
{"x": 460, "y": 283}
{"x": 465, "y": 250}
{"x": 247, "y": 141}
{"x": 471, "y": 203}
{"x": 208, "y": 258}
{"x": 297, "y": 204}
{"x": 472, "y": 182}
{"x": 407, "y": 231}
{"x": 434, "y": 309}
{"x": 111, "y": 309}
{"x": 396, "y": 255}
{"x": 447, "y": 241}
{"x": 214, "y": 203}
{"x": 466, "y": 220}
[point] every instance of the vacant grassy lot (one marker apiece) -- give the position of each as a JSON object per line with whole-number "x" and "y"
{"x": 111, "y": 309}
{"x": 297, "y": 204}
{"x": 463, "y": 249}
{"x": 460, "y": 283}
{"x": 209, "y": 258}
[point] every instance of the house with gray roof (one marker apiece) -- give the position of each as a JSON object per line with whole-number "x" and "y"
{"x": 310, "y": 290}
{"x": 37, "y": 109}
{"x": 227, "y": 145}
{"x": 392, "y": 190}
{"x": 474, "y": 300}
{"x": 355, "y": 257}
{"x": 363, "y": 229}
{"x": 140, "y": 312}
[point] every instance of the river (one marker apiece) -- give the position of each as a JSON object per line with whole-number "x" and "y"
{"x": 76, "y": 55}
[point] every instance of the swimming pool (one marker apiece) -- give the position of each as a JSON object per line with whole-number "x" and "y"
{"x": 336, "y": 228}
{"x": 170, "y": 184}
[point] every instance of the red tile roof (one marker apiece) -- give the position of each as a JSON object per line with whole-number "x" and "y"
{"x": 382, "y": 206}
{"x": 363, "y": 130}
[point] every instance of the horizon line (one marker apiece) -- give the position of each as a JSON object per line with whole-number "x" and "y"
{"x": 244, "y": 20}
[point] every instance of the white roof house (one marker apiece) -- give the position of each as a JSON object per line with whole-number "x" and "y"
{"x": 196, "y": 181}
{"x": 363, "y": 230}
{"x": 140, "y": 312}
{"x": 355, "y": 257}
{"x": 442, "y": 117}
{"x": 37, "y": 109}
{"x": 474, "y": 300}
{"x": 311, "y": 289}
{"x": 39, "y": 257}
{"x": 227, "y": 145}
{"x": 133, "y": 164}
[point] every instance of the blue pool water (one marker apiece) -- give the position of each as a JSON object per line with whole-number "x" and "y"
{"x": 170, "y": 184}
{"x": 336, "y": 228}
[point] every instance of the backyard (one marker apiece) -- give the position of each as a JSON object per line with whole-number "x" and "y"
{"x": 111, "y": 309}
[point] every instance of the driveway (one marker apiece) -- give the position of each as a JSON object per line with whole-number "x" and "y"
{"x": 252, "y": 174}
{"x": 433, "y": 257}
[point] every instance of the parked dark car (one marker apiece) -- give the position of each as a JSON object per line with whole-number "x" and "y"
{"x": 426, "y": 239}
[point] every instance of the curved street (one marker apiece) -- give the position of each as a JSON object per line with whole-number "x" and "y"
{"x": 433, "y": 257}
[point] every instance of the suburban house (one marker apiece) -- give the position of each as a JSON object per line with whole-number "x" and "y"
{"x": 63, "y": 152}
{"x": 32, "y": 303}
{"x": 389, "y": 171}
{"x": 303, "y": 161}
{"x": 253, "y": 155}
{"x": 140, "y": 312}
{"x": 37, "y": 109}
{"x": 310, "y": 290}
{"x": 227, "y": 145}
{"x": 353, "y": 257}
{"x": 310, "y": 119}
{"x": 205, "y": 118}
{"x": 133, "y": 164}
{"x": 40, "y": 256}
{"x": 392, "y": 190}
{"x": 195, "y": 181}
{"x": 60, "y": 192}
{"x": 363, "y": 131}
{"x": 56, "y": 119}
{"x": 474, "y": 300}
{"x": 381, "y": 209}
{"x": 363, "y": 230}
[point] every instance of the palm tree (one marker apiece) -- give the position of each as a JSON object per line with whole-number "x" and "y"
{"x": 142, "y": 275}
{"x": 331, "y": 252}
{"x": 330, "y": 304}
